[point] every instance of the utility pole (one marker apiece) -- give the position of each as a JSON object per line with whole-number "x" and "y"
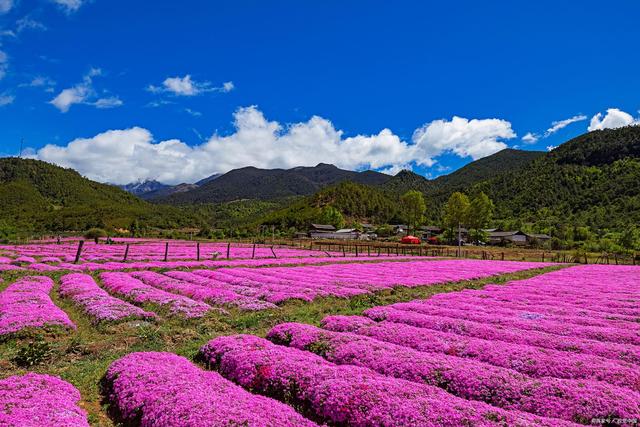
{"x": 459, "y": 241}
{"x": 21, "y": 145}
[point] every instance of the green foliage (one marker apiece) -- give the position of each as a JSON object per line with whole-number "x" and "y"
{"x": 384, "y": 231}
{"x": 413, "y": 208}
{"x": 479, "y": 216}
{"x": 36, "y": 196}
{"x": 629, "y": 239}
{"x": 456, "y": 211}
{"x": 332, "y": 216}
{"x": 95, "y": 233}
{"x": 33, "y": 353}
{"x": 354, "y": 202}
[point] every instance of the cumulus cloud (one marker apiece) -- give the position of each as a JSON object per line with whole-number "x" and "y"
{"x": 614, "y": 118}
{"x": 560, "y": 124}
{"x": 5, "y": 5}
{"x": 530, "y": 138}
{"x": 551, "y": 147}
{"x": 6, "y": 99}
{"x": 84, "y": 93}
{"x": 463, "y": 137}
{"x": 123, "y": 156}
{"x": 69, "y": 6}
{"x": 186, "y": 86}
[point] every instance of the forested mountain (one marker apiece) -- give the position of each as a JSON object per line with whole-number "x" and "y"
{"x": 38, "y": 196}
{"x": 270, "y": 184}
{"x": 488, "y": 167}
{"x": 592, "y": 180}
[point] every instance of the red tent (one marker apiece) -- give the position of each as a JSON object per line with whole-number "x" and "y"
{"x": 410, "y": 240}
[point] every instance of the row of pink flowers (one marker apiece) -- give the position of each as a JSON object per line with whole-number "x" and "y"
{"x": 26, "y": 304}
{"x": 532, "y": 321}
{"x": 571, "y": 400}
{"x": 516, "y": 336}
{"x": 133, "y": 289}
{"x": 198, "y": 292}
{"x": 534, "y": 361}
{"x": 162, "y": 389}
{"x": 346, "y": 394}
{"x": 143, "y": 265}
{"x": 96, "y": 302}
{"x": 279, "y": 284}
{"x": 36, "y": 400}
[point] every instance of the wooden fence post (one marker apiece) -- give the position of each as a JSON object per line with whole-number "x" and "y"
{"x": 356, "y": 251}
{"x": 273, "y": 252}
{"x": 166, "y": 251}
{"x": 253, "y": 253}
{"x": 126, "y": 253}
{"x": 228, "y": 250}
{"x": 79, "y": 252}
{"x": 198, "y": 250}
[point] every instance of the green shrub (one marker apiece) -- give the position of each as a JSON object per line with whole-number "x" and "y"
{"x": 33, "y": 354}
{"x": 95, "y": 234}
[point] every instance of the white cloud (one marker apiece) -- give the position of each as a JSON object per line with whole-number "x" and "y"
{"x": 465, "y": 138}
{"x": 186, "y": 86}
{"x": 40, "y": 82}
{"x": 75, "y": 95}
{"x": 194, "y": 113}
{"x": 530, "y": 138}
{"x": 70, "y": 5}
{"x": 28, "y": 23}
{"x": 6, "y": 99}
{"x": 5, "y": 5}
{"x": 560, "y": 124}
{"x": 129, "y": 155}
{"x": 4, "y": 64}
{"x": 394, "y": 170}
{"x": 159, "y": 103}
{"x": 551, "y": 147}
{"x": 84, "y": 93}
{"x": 614, "y": 118}
{"x": 111, "y": 102}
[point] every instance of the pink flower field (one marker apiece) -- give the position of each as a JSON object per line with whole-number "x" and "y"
{"x": 559, "y": 348}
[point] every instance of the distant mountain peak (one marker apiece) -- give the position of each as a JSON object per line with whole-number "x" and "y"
{"x": 141, "y": 187}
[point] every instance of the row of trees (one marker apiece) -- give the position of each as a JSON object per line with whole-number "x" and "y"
{"x": 475, "y": 214}
{"x": 459, "y": 211}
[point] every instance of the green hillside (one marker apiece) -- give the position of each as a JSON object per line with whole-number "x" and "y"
{"x": 37, "y": 196}
{"x": 591, "y": 181}
{"x": 251, "y": 183}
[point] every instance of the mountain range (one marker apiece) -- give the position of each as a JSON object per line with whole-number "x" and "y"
{"x": 591, "y": 181}
{"x": 269, "y": 184}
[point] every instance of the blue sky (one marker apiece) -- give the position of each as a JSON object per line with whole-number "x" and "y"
{"x": 130, "y": 90}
